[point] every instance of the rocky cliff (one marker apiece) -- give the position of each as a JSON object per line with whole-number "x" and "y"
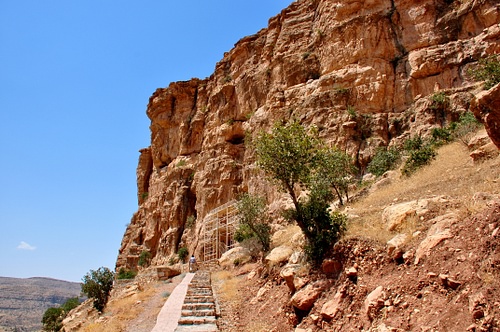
{"x": 363, "y": 72}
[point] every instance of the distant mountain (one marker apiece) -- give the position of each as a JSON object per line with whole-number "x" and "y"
{"x": 24, "y": 301}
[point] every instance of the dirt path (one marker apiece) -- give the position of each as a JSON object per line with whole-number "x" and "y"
{"x": 151, "y": 308}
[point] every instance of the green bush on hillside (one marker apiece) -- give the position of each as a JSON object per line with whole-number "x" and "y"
{"x": 97, "y": 285}
{"x": 384, "y": 160}
{"x": 124, "y": 274}
{"x": 487, "y": 70}
{"x": 53, "y": 317}
{"x": 144, "y": 258}
{"x": 419, "y": 152}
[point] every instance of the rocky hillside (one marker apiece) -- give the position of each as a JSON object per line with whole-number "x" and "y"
{"x": 363, "y": 72}
{"x": 23, "y": 301}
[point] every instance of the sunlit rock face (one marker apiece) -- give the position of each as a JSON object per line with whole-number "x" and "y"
{"x": 362, "y": 72}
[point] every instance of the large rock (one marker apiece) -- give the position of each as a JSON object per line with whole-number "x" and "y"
{"x": 305, "y": 298}
{"x": 332, "y": 307}
{"x": 397, "y": 214}
{"x": 486, "y": 107}
{"x": 383, "y": 59}
{"x": 237, "y": 254}
{"x": 438, "y": 232}
{"x": 279, "y": 255}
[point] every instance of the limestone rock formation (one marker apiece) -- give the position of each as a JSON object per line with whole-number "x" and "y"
{"x": 362, "y": 72}
{"x": 486, "y": 107}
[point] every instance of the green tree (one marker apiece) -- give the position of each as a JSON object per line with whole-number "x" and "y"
{"x": 253, "y": 219}
{"x": 70, "y": 304}
{"x": 97, "y": 285}
{"x": 296, "y": 159}
{"x": 52, "y": 319}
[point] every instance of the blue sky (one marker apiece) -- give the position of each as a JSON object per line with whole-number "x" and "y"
{"x": 75, "y": 79}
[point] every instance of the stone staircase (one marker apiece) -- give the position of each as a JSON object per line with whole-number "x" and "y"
{"x": 199, "y": 311}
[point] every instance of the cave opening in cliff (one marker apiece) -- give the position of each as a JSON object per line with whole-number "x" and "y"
{"x": 236, "y": 139}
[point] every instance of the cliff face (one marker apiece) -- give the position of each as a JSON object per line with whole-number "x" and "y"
{"x": 361, "y": 71}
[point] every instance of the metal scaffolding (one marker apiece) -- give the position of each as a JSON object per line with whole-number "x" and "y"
{"x": 218, "y": 231}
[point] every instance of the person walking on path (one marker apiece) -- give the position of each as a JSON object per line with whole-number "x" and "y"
{"x": 192, "y": 264}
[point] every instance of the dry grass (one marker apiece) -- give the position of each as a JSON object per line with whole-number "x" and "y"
{"x": 227, "y": 285}
{"x": 287, "y": 236}
{"x": 452, "y": 174}
{"x": 121, "y": 311}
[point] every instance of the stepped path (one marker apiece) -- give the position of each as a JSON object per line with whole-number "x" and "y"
{"x": 190, "y": 307}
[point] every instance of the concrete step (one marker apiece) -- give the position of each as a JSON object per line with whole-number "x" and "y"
{"x": 199, "y": 299}
{"x": 197, "y": 320}
{"x": 197, "y": 313}
{"x": 197, "y": 328}
{"x": 198, "y": 305}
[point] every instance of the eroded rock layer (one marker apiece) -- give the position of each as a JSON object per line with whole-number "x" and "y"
{"x": 363, "y": 72}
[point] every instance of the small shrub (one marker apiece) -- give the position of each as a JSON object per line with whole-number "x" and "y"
{"x": 144, "y": 258}
{"x": 305, "y": 55}
{"x": 487, "y": 70}
{"x": 466, "y": 125}
{"x": 171, "y": 261}
{"x": 414, "y": 143}
{"x": 144, "y": 195}
{"x": 352, "y": 111}
{"x": 181, "y": 163}
{"x": 182, "y": 253}
{"x": 441, "y": 136}
{"x": 124, "y": 274}
{"x": 243, "y": 232}
{"x": 439, "y": 101}
{"x": 384, "y": 160}
{"x": 420, "y": 153}
{"x": 190, "y": 221}
{"x": 333, "y": 227}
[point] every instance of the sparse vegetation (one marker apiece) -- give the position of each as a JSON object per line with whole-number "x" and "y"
{"x": 352, "y": 111}
{"x": 97, "y": 284}
{"x": 466, "y": 125}
{"x": 293, "y": 157}
{"x": 53, "y": 317}
{"x": 144, "y": 258}
{"x": 182, "y": 253}
{"x": 419, "y": 153}
{"x": 124, "y": 274}
{"x": 190, "y": 221}
{"x": 440, "y": 101}
{"x": 487, "y": 70}
{"x": 384, "y": 160}
{"x": 181, "y": 163}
